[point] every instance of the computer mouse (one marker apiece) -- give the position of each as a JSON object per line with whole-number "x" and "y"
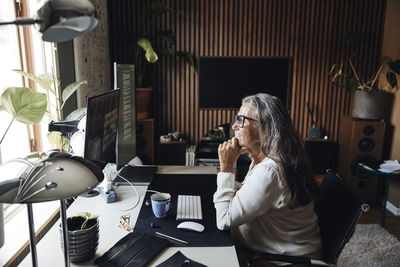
{"x": 191, "y": 226}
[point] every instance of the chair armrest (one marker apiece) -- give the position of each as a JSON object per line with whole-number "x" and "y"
{"x": 278, "y": 257}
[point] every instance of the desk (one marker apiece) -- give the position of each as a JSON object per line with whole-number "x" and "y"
{"x": 381, "y": 186}
{"x": 49, "y": 248}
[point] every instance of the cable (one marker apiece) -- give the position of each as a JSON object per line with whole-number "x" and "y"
{"x": 137, "y": 194}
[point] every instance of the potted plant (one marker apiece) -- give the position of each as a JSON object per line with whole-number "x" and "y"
{"x": 29, "y": 106}
{"x": 83, "y": 236}
{"x": 149, "y": 45}
{"x": 370, "y": 99}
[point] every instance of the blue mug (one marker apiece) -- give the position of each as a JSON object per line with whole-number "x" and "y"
{"x": 160, "y": 203}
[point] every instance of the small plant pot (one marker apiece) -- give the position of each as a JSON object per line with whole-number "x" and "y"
{"x": 82, "y": 243}
{"x": 143, "y": 96}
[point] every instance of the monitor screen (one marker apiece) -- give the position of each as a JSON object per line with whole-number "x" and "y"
{"x": 102, "y": 127}
{"x": 224, "y": 81}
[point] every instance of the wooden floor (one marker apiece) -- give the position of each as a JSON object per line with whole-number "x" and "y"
{"x": 392, "y": 223}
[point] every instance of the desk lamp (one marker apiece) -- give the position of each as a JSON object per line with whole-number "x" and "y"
{"x": 57, "y": 177}
{"x": 59, "y": 21}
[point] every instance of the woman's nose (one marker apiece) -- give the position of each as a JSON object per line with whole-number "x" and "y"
{"x": 234, "y": 126}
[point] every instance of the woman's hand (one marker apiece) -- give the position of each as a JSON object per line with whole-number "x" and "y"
{"x": 228, "y": 153}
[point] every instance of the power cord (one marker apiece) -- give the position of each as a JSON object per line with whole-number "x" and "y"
{"x": 134, "y": 189}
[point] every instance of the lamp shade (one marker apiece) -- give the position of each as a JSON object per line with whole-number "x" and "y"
{"x": 59, "y": 176}
{"x": 63, "y": 20}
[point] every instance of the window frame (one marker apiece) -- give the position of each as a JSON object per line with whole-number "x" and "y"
{"x": 27, "y": 63}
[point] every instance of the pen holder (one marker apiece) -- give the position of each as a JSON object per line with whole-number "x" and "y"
{"x": 82, "y": 242}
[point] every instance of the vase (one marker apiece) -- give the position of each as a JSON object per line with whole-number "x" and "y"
{"x": 369, "y": 105}
{"x": 82, "y": 243}
{"x": 143, "y": 96}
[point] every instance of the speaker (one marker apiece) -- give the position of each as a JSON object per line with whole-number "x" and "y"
{"x": 145, "y": 140}
{"x": 172, "y": 153}
{"x": 361, "y": 141}
{"x": 319, "y": 152}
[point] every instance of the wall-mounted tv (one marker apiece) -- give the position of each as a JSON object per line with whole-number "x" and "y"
{"x": 224, "y": 81}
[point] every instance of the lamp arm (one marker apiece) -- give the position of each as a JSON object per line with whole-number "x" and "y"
{"x": 22, "y": 21}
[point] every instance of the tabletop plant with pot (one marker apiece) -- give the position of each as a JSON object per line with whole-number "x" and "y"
{"x": 83, "y": 236}
{"x": 370, "y": 98}
{"x": 150, "y": 45}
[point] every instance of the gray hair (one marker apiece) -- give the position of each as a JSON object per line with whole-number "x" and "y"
{"x": 279, "y": 141}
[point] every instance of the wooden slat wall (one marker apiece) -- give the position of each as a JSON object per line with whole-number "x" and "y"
{"x": 310, "y": 31}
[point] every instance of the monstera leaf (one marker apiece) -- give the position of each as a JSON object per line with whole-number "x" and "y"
{"x": 23, "y": 104}
{"x": 151, "y": 55}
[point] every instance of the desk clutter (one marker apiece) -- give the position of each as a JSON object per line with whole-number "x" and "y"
{"x": 178, "y": 259}
{"x": 135, "y": 249}
{"x": 203, "y": 185}
{"x": 152, "y": 234}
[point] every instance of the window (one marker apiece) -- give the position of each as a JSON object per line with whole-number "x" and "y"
{"x": 22, "y": 48}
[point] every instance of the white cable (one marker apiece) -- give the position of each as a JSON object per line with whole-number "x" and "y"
{"x": 137, "y": 194}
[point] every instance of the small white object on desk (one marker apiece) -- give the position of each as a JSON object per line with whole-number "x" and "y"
{"x": 389, "y": 166}
{"x": 191, "y": 226}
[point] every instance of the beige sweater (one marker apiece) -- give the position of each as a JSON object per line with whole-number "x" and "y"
{"x": 260, "y": 210}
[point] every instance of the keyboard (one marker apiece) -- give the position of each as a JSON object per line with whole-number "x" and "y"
{"x": 189, "y": 208}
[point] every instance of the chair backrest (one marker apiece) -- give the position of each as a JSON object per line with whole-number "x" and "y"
{"x": 338, "y": 211}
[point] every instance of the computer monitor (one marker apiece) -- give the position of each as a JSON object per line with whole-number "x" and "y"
{"x": 224, "y": 81}
{"x": 124, "y": 79}
{"x": 102, "y": 128}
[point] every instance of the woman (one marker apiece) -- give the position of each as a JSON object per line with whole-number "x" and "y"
{"x": 272, "y": 210}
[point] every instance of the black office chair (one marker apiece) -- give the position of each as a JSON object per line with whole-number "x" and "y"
{"x": 338, "y": 210}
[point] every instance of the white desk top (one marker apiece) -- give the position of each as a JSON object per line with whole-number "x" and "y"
{"x": 49, "y": 252}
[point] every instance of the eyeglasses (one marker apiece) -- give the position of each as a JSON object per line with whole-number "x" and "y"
{"x": 240, "y": 119}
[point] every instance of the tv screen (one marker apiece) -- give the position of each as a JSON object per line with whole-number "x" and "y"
{"x": 224, "y": 81}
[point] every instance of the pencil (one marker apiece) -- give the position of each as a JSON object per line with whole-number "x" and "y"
{"x": 172, "y": 238}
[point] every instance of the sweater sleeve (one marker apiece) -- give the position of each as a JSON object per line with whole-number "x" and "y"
{"x": 261, "y": 191}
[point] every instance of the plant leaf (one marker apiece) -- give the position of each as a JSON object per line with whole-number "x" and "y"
{"x": 25, "y": 105}
{"x": 69, "y": 90}
{"x": 145, "y": 44}
{"x": 391, "y": 78}
{"x": 167, "y": 36}
{"x": 43, "y": 82}
{"x": 166, "y": 51}
{"x": 158, "y": 8}
{"x": 395, "y": 66}
{"x": 386, "y": 60}
{"x": 55, "y": 138}
{"x": 188, "y": 58}
{"x": 36, "y": 155}
{"x": 336, "y": 76}
{"x": 351, "y": 84}
{"x": 332, "y": 69}
{"x": 85, "y": 215}
{"x": 76, "y": 114}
